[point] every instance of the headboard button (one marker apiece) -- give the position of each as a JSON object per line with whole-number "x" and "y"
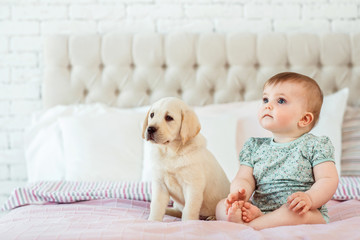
{"x": 148, "y": 92}
{"x": 85, "y": 92}
{"x": 212, "y": 91}
{"x": 117, "y": 92}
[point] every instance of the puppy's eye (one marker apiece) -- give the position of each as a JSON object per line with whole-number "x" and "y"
{"x": 168, "y": 118}
{"x": 151, "y": 115}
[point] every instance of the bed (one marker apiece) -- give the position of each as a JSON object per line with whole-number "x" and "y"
{"x": 89, "y": 170}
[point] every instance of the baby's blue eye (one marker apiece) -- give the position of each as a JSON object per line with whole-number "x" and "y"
{"x": 281, "y": 101}
{"x": 265, "y": 100}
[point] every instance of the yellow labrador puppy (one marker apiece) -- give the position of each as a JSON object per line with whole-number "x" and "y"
{"x": 182, "y": 167}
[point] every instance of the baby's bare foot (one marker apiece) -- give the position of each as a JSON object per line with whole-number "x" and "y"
{"x": 234, "y": 213}
{"x": 250, "y": 212}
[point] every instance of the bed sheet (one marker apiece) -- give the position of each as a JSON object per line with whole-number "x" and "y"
{"x": 127, "y": 219}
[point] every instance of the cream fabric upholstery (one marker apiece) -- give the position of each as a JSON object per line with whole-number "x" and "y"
{"x": 127, "y": 70}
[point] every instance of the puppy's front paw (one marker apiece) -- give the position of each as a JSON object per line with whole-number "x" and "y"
{"x": 186, "y": 217}
{"x": 153, "y": 217}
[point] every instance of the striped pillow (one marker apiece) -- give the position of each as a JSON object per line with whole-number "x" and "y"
{"x": 350, "y": 158}
{"x": 68, "y": 192}
{"x": 348, "y": 188}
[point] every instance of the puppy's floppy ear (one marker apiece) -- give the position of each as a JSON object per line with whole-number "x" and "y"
{"x": 145, "y": 124}
{"x": 190, "y": 125}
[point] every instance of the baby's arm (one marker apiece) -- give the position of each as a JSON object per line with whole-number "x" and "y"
{"x": 326, "y": 182}
{"x": 241, "y": 187}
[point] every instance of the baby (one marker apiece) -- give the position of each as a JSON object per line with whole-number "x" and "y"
{"x": 292, "y": 175}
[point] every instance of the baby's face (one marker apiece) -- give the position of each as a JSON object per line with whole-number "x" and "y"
{"x": 283, "y": 107}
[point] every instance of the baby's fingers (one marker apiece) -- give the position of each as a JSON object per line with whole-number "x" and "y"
{"x": 293, "y": 203}
{"x": 292, "y": 197}
{"x": 304, "y": 210}
{"x": 298, "y": 206}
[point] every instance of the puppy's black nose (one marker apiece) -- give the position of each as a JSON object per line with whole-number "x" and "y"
{"x": 151, "y": 130}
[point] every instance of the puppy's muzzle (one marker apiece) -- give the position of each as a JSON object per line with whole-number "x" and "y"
{"x": 150, "y": 133}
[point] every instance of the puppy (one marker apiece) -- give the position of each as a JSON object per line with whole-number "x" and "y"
{"x": 182, "y": 167}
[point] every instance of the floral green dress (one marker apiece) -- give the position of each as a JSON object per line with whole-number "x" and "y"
{"x": 281, "y": 169}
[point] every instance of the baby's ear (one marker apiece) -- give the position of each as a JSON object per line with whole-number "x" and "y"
{"x": 306, "y": 120}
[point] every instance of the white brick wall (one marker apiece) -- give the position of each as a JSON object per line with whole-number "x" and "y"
{"x": 23, "y": 24}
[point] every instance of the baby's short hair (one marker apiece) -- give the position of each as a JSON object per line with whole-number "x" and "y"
{"x": 314, "y": 94}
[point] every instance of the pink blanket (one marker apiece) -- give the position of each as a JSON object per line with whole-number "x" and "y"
{"x": 127, "y": 219}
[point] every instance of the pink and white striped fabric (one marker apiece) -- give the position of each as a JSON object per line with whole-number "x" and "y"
{"x": 68, "y": 192}
{"x": 348, "y": 188}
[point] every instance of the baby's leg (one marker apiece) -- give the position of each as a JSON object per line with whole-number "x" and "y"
{"x": 235, "y": 212}
{"x": 250, "y": 212}
{"x": 221, "y": 210}
{"x": 285, "y": 217}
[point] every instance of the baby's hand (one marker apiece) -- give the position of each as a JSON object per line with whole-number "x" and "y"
{"x": 299, "y": 202}
{"x": 233, "y": 197}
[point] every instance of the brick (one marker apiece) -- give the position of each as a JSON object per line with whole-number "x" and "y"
{"x": 16, "y": 139}
{"x": 4, "y": 12}
{"x": 214, "y": 10}
{"x": 68, "y": 27}
{"x": 300, "y": 1}
{"x": 98, "y": 12}
{"x": 4, "y": 44}
{"x": 186, "y": 25}
{"x": 260, "y": 11}
{"x": 18, "y": 59}
{"x": 18, "y": 171}
{"x": 310, "y": 26}
{"x": 4, "y": 172}
{"x": 4, "y": 108}
{"x": 185, "y": 1}
{"x": 67, "y": 1}
{"x": 4, "y": 144}
{"x": 129, "y": 26}
{"x": 19, "y": 91}
{"x": 11, "y": 156}
{"x": 11, "y": 123}
{"x": 25, "y": 106}
{"x": 242, "y": 25}
{"x": 42, "y": 12}
{"x": 346, "y": 26}
{"x": 19, "y": 27}
{"x": 330, "y": 11}
{"x": 4, "y": 75}
{"x": 155, "y": 11}
{"x": 28, "y": 43}
{"x": 6, "y": 187}
{"x": 26, "y": 75}
{"x": 126, "y": 1}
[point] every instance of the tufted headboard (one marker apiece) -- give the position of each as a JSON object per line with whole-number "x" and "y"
{"x": 128, "y": 70}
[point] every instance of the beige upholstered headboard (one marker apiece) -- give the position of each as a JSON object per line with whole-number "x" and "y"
{"x": 127, "y": 70}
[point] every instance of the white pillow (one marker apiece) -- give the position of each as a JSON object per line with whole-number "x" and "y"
{"x": 330, "y": 121}
{"x": 44, "y": 145}
{"x": 102, "y": 147}
{"x": 219, "y": 131}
